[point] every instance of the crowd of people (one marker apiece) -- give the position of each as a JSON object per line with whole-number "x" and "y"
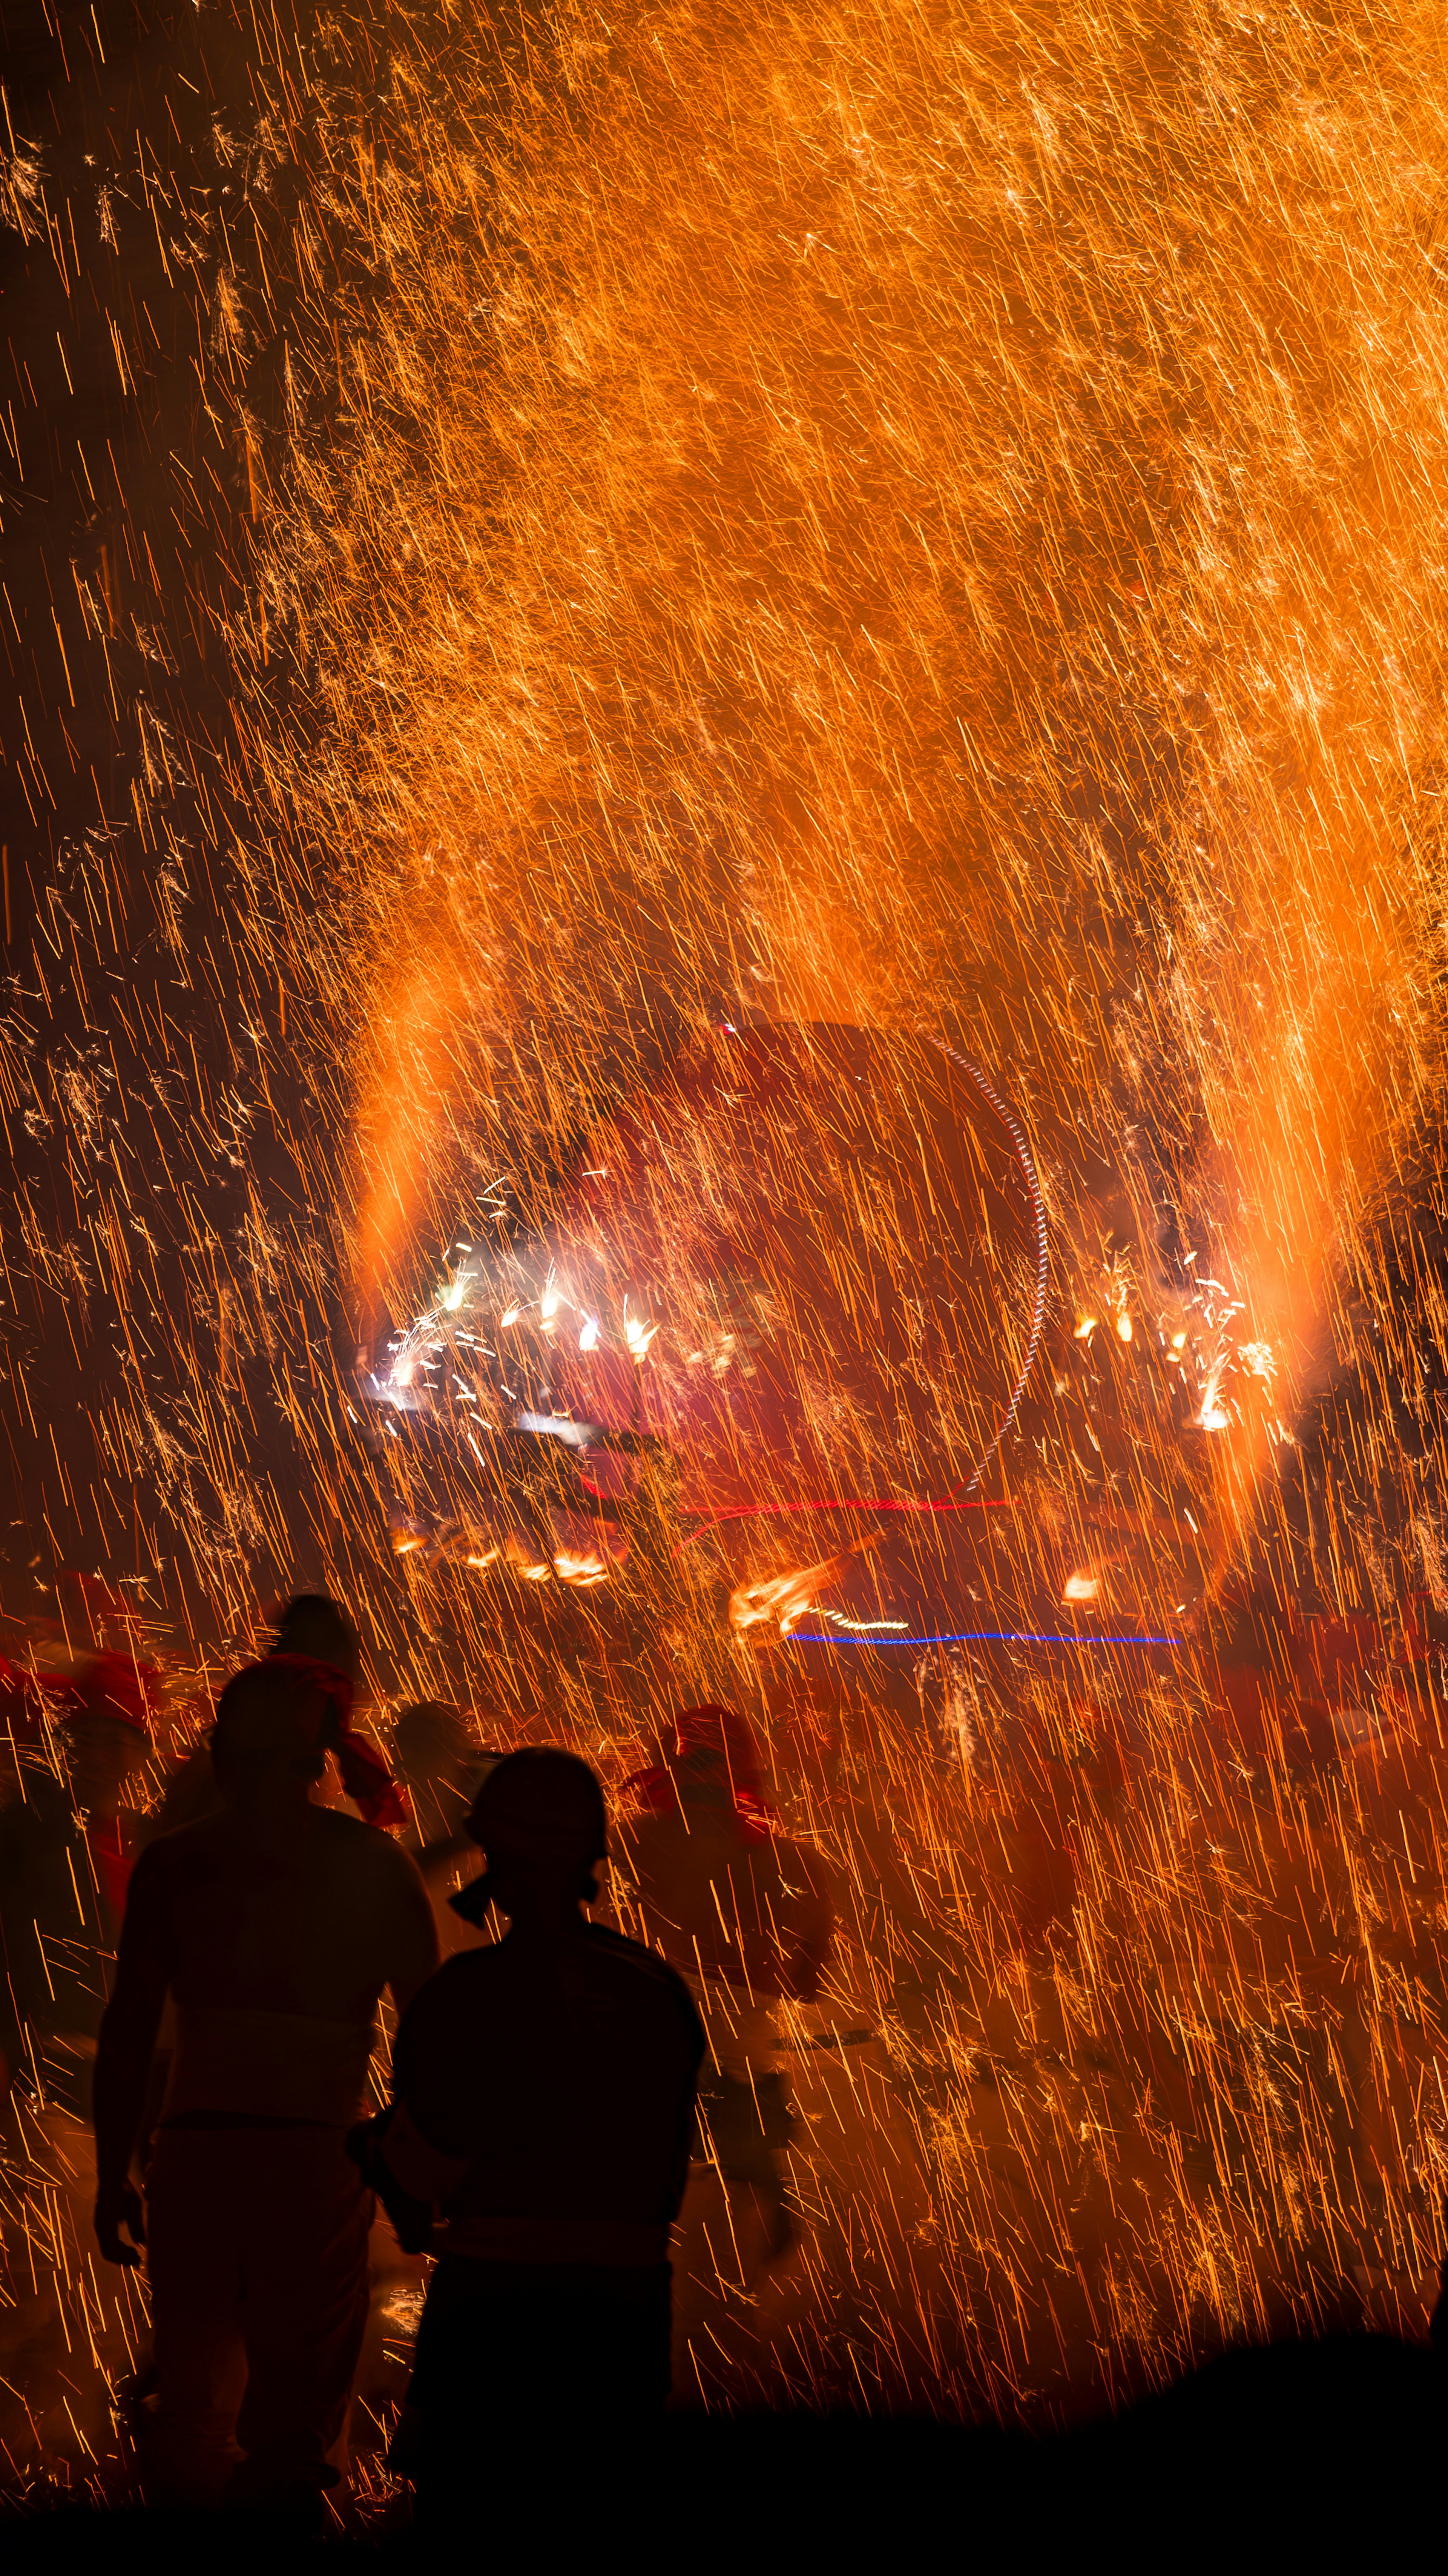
{"x": 551, "y": 2079}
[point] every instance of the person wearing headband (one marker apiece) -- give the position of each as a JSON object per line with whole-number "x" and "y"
{"x": 275, "y": 1925}
{"x": 313, "y": 1626}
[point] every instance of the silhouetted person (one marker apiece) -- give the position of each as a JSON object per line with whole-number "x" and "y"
{"x": 275, "y": 1924}
{"x": 544, "y": 2100}
{"x": 745, "y": 1914}
{"x": 442, "y": 1769}
{"x": 314, "y": 1626}
{"x": 67, "y": 1840}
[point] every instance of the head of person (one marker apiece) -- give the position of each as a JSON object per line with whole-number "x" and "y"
{"x": 275, "y": 1724}
{"x": 715, "y": 1755}
{"x": 107, "y": 1731}
{"x": 431, "y": 1742}
{"x": 320, "y": 1629}
{"x": 540, "y": 1820}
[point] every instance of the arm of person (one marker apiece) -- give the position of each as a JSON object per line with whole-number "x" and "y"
{"x": 409, "y": 2179}
{"x": 412, "y": 1950}
{"x": 123, "y": 2057}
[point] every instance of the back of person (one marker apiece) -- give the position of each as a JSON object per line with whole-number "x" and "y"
{"x": 539, "y": 2143}
{"x": 565, "y": 2077}
{"x": 276, "y": 1973}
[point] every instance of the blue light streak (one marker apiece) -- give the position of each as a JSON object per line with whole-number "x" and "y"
{"x": 982, "y": 1637}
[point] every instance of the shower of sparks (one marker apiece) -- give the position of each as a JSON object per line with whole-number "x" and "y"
{"x": 915, "y": 519}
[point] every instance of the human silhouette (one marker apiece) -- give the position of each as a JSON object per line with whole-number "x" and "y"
{"x": 312, "y": 1625}
{"x": 745, "y": 1914}
{"x": 67, "y": 1842}
{"x": 539, "y": 2137}
{"x": 275, "y": 1924}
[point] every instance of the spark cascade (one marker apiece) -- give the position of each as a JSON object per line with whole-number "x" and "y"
{"x": 865, "y": 516}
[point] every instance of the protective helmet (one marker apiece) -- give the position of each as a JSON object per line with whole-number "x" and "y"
{"x": 540, "y": 1804}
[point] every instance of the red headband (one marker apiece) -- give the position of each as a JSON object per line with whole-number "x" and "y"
{"x": 365, "y": 1776}
{"x": 710, "y": 1737}
{"x": 103, "y": 1685}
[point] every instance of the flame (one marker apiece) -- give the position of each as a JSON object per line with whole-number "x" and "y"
{"x": 582, "y": 1570}
{"x": 638, "y": 1334}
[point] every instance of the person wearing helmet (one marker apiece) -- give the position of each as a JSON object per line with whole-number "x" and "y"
{"x": 275, "y": 1925}
{"x": 746, "y": 1915}
{"x": 539, "y": 2143}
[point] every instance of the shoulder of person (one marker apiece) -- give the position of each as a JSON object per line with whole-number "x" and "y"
{"x": 32, "y": 1824}
{"x": 632, "y": 1957}
{"x": 168, "y": 1860}
{"x": 458, "y": 1987}
{"x": 175, "y": 1845}
{"x": 366, "y": 1851}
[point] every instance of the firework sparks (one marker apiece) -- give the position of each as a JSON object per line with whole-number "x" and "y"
{"x": 857, "y": 523}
